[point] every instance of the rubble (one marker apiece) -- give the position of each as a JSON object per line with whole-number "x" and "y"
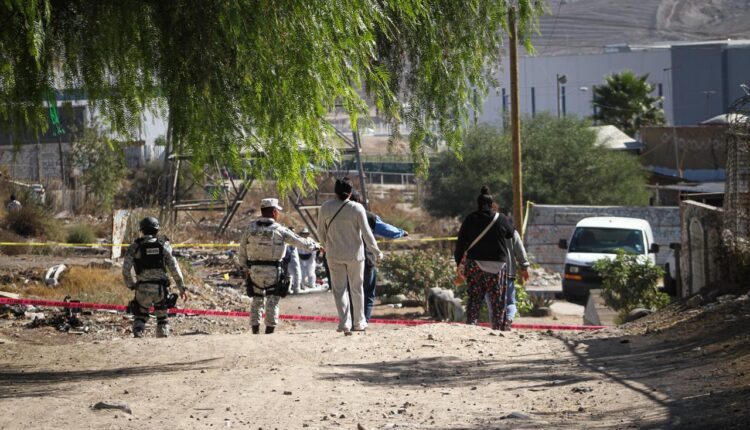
{"x": 541, "y": 277}
{"x": 116, "y": 404}
{"x": 694, "y": 301}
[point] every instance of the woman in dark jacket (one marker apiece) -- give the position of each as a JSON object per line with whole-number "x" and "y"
{"x": 485, "y": 261}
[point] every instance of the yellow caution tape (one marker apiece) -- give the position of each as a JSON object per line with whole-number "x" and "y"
{"x": 195, "y": 245}
{"x": 122, "y": 245}
{"x": 425, "y": 239}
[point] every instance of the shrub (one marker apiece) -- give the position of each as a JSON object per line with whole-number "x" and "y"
{"x": 414, "y": 272}
{"x": 523, "y": 302}
{"x": 629, "y": 282}
{"x": 29, "y": 221}
{"x": 80, "y": 233}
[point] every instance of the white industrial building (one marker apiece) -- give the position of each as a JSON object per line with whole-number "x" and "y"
{"x": 697, "y": 80}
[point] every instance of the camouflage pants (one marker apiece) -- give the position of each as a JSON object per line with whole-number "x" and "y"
{"x": 148, "y": 295}
{"x": 271, "y": 304}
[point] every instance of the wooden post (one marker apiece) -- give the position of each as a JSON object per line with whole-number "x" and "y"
{"x": 515, "y": 123}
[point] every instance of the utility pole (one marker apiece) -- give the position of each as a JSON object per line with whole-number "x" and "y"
{"x": 559, "y": 79}
{"x": 515, "y": 123}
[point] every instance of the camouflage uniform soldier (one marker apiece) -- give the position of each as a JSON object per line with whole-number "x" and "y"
{"x": 262, "y": 249}
{"x": 151, "y": 257}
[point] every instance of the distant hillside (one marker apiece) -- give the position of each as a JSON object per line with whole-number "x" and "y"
{"x": 585, "y": 26}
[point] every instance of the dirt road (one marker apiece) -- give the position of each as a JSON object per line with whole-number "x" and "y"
{"x": 435, "y": 377}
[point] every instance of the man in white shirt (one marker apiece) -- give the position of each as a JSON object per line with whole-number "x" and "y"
{"x": 342, "y": 227}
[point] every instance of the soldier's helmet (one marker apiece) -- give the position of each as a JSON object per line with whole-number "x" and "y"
{"x": 149, "y": 225}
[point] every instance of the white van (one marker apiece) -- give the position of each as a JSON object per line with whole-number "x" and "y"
{"x": 601, "y": 237}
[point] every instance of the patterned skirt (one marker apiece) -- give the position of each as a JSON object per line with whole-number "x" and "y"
{"x": 480, "y": 283}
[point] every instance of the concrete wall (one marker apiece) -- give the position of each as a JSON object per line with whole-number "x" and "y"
{"x": 38, "y": 163}
{"x": 701, "y": 240}
{"x": 547, "y": 224}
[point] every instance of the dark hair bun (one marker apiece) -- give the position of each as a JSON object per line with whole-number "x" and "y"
{"x": 485, "y": 190}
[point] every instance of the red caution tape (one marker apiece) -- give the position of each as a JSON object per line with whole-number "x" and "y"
{"x": 310, "y": 318}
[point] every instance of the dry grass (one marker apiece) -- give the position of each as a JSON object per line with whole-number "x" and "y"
{"x": 9, "y": 236}
{"x": 87, "y": 284}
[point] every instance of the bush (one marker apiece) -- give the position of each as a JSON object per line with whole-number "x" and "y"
{"x": 413, "y": 273}
{"x": 561, "y": 165}
{"x": 629, "y": 282}
{"x": 523, "y": 302}
{"x": 80, "y": 233}
{"x": 102, "y": 163}
{"x": 30, "y": 221}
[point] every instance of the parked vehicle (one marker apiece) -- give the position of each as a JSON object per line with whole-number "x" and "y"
{"x": 601, "y": 237}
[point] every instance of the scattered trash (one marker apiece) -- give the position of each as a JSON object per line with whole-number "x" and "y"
{"x": 52, "y": 276}
{"x": 8, "y": 295}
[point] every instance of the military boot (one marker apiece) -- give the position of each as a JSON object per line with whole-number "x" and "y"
{"x": 270, "y": 329}
{"x": 506, "y": 326}
{"x": 162, "y": 329}
{"x": 139, "y": 328}
{"x": 256, "y": 329}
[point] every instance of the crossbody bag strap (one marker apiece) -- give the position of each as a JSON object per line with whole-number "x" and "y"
{"x": 346, "y": 203}
{"x": 481, "y": 235}
{"x": 336, "y": 214}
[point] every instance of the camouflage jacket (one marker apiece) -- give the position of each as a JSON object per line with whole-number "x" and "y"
{"x": 151, "y": 275}
{"x": 266, "y": 240}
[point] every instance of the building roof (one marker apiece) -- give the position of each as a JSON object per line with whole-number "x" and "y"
{"x": 725, "y": 119}
{"x": 697, "y": 188}
{"x": 612, "y": 137}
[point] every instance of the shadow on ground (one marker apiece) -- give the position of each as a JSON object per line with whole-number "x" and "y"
{"x": 19, "y": 381}
{"x": 697, "y": 370}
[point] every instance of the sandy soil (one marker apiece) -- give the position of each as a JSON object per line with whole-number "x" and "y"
{"x": 684, "y": 369}
{"x": 679, "y": 368}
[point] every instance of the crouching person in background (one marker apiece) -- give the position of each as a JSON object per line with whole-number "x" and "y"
{"x": 151, "y": 257}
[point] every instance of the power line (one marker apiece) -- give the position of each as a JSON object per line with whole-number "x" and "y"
{"x": 554, "y": 24}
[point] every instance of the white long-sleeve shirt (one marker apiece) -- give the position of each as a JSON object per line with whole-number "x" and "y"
{"x": 342, "y": 238}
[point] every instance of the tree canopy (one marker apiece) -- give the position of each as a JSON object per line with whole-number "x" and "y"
{"x": 561, "y": 165}
{"x": 248, "y": 76}
{"x": 626, "y": 102}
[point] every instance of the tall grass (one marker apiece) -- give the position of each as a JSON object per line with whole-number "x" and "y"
{"x": 88, "y": 284}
